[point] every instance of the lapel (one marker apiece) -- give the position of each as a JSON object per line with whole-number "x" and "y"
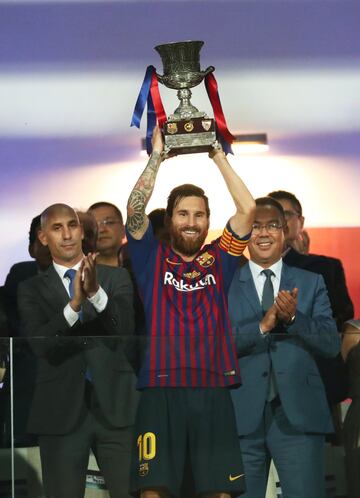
{"x": 56, "y": 293}
{"x": 248, "y": 290}
{"x": 287, "y": 281}
{"x": 55, "y": 290}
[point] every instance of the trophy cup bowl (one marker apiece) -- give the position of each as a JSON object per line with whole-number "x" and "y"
{"x": 181, "y": 61}
{"x": 187, "y": 130}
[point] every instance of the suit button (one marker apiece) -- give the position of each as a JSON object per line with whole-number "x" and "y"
{"x": 114, "y": 321}
{"x": 265, "y": 374}
{"x": 85, "y": 342}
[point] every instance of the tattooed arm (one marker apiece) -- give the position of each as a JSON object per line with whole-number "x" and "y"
{"x": 241, "y": 222}
{"x": 137, "y": 221}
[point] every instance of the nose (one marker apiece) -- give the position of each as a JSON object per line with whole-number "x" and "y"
{"x": 102, "y": 227}
{"x": 263, "y": 227}
{"x": 66, "y": 233}
{"x": 191, "y": 221}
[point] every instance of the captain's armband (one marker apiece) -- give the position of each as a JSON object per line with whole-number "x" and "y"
{"x": 231, "y": 243}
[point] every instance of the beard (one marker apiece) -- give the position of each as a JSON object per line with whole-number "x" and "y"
{"x": 182, "y": 245}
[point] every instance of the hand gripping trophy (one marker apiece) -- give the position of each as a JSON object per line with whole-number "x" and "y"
{"x": 187, "y": 130}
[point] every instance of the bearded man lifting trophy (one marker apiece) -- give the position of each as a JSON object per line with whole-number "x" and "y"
{"x": 187, "y": 130}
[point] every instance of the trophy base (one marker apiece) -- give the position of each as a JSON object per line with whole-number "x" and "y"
{"x": 189, "y": 136}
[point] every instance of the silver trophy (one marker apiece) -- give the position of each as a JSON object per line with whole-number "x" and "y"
{"x": 187, "y": 130}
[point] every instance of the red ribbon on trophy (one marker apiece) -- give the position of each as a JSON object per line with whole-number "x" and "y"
{"x": 212, "y": 91}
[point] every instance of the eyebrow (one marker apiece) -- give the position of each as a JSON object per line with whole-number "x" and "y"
{"x": 273, "y": 220}
{"x": 188, "y": 211}
{"x": 59, "y": 224}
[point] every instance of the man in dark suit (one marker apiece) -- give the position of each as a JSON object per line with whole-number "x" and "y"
{"x": 84, "y": 395}
{"x": 297, "y": 254}
{"x": 23, "y": 360}
{"x": 281, "y": 319}
{"x": 22, "y": 271}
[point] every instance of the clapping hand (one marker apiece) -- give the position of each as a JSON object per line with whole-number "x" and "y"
{"x": 90, "y": 284}
{"x": 285, "y": 303}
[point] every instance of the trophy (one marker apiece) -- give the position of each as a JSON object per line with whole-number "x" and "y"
{"x": 187, "y": 130}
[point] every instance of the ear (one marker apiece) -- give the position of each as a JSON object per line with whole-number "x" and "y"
{"x": 31, "y": 251}
{"x": 42, "y": 237}
{"x": 285, "y": 229}
{"x": 302, "y": 220}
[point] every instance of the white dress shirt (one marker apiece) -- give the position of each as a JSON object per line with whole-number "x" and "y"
{"x": 98, "y": 300}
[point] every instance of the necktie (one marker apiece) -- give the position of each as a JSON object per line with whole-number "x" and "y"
{"x": 267, "y": 299}
{"x": 266, "y": 302}
{"x": 70, "y": 274}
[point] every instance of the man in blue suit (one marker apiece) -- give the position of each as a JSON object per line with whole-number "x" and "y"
{"x": 281, "y": 319}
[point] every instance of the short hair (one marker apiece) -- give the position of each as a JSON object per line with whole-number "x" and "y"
{"x": 157, "y": 218}
{"x": 35, "y": 226}
{"x": 186, "y": 190}
{"x": 284, "y": 195}
{"x": 107, "y": 204}
{"x": 50, "y": 210}
{"x": 270, "y": 201}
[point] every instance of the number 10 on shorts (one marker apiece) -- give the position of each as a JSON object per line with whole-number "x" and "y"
{"x": 147, "y": 446}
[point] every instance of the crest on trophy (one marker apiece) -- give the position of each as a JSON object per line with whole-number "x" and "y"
{"x": 186, "y": 130}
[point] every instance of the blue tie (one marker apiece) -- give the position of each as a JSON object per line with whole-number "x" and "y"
{"x": 70, "y": 274}
{"x": 268, "y": 291}
{"x": 266, "y": 302}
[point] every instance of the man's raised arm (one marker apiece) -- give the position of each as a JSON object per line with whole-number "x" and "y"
{"x": 241, "y": 222}
{"x": 137, "y": 221}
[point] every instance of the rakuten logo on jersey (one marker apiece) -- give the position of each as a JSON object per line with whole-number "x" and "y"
{"x": 183, "y": 286}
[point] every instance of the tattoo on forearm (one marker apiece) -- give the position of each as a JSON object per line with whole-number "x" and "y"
{"x": 141, "y": 194}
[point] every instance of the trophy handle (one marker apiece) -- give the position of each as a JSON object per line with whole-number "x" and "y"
{"x": 207, "y": 71}
{"x": 160, "y": 78}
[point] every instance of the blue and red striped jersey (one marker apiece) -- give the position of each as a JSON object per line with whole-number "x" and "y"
{"x": 189, "y": 340}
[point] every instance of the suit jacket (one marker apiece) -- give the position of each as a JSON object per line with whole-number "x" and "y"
{"x": 333, "y": 273}
{"x": 66, "y": 353}
{"x": 18, "y": 273}
{"x": 290, "y": 352}
{"x": 332, "y": 370}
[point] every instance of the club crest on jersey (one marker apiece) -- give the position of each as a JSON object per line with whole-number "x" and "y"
{"x": 143, "y": 469}
{"x": 192, "y": 274}
{"x": 205, "y": 259}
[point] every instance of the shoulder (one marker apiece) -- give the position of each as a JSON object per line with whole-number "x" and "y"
{"x": 111, "y": 271}
{"x": 301, "y": 273}
{"x": 32, "y": 284}
{"x": 21, "y": 271}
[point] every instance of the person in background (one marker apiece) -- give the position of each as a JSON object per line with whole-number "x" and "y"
{"x": 22, "y": 271}
{"x": 159, "y": 224}
{"x": 111, "y": 232}
{"x": 90, "y": 229}
{"x": 297, "y": 254}
{"x": 24, "y": 362}
{"x": 351, "y": 353}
